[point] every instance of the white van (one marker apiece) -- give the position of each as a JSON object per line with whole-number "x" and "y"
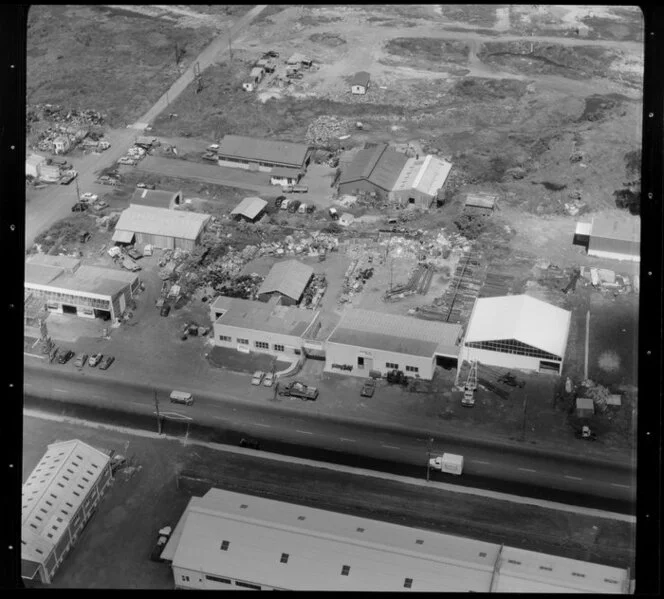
{"x": 182, "y": 397}
{"x": 284, "y": 204}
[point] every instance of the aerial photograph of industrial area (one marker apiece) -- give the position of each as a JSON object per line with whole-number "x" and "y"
{"x": 332, "y": 298}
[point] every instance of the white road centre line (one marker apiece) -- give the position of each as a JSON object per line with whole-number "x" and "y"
{"x": 526, "y": 469}
{"x": 349, "y": 440}
{"x": 61, "y": 390}
{"x": 573, "y": 477}
{"x": 263, "y": 425}
{"x": 390, "y": 446}
{"x": 620, "y": 485}
{"x": 303, "y": 432}
{"x": 481, "y": 462}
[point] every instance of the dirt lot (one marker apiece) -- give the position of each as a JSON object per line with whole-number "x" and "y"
{"x": 146, "y": 497}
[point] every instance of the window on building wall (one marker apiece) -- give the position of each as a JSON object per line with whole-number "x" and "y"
{"x": 246, "y": 585}
{"x": 225, "y": 338}
{"x": 243, "y": 341}
{"x": 408, "y": 583}
{"x": 225, "y": 545}
{"x": 345, "y": 570}
{"x": 412, "y": 369}
{"x": 185, "y": 578}
{"x": 278, "y": 347}
{"x": 217, "y": 579}
{"x": 284, "y": 558}
{"x": 391, "y": 365}
{"x": 261, "y": 345}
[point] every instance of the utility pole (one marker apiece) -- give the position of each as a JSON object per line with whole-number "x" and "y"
{"x": 523, "y": 425}
{"x": 78, "y": 191}
{"x": 156, "y": 403}
{"x": 429, "y": 447}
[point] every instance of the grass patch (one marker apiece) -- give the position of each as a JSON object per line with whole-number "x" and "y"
{"x": 63, "y": 232}
{"x": 428, "y": 49}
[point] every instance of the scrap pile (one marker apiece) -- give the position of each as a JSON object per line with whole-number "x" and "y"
{"x": 314, "y": 292}
{"x": 607, "y": 280}
{"x": 357, "y": 274}
{"x": 244, "y": 287}
{"x": 326, "y": 128}
{"x": 133, "y": 156}
{"x": 419, "y": 282}
{"x": 599, "y": 394}
{"x": 73, "y": 124}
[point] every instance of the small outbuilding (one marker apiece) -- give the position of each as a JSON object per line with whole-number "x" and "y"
{"x": 585, "y": 408}
{"x": 359, "y": 84}
{"x": 481, "y": 202}
{"x": 346, "y": 219}
{"x": 249, "y": 209}
{"x": 33, "y": 164}
{"x": 61, "y": 144}
{"x": 156, "y": 198}
{"x": 287, "y": 279}
{"x": 610, "y": 237}
{"x": 256, "y": 75}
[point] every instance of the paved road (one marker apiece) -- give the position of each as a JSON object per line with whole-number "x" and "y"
{"x": 46, "y": 206}
{"x": 208, "y": 173}
{"x": 356, "y": 443}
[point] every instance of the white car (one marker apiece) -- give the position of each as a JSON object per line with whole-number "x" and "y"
{"x": 257, "y": 379}
{"x": 89, "y": 197}
{"x": 268, "y": 381}
{"x": 95, "y": 359}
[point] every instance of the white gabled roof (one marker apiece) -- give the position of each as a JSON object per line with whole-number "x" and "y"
{"x": 520, "y": 317}
{"x": 250, "y": 207}
{"x": 53, "y": 493}
{"x": 161, "y": 221}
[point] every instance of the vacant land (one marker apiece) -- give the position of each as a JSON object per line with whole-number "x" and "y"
{"x": 153, "y": 491}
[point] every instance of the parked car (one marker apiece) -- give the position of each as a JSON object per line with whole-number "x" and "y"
{"x": 157, "y": 550}
{"x": 293, "y": 206}
{"x": 68, "y": 177}
{"x": 99, "y": 205}
{"x": 250, "y": 443}
{"x": 257, "y": 379}
{"x": 284, "y": 204}
{"x": 165, "y": 310}
{"x": 95, "y": 359}
{"x": 106, "y": 362}
{"x": 79, "y": 207}
{"x": 183, "y": 397}
{"x": 53, "y": 354}
{"x": 89, "y": 197}
{"x": 134, "y": 254}
{"x": 310, "y": 208}
{"x": 302, "y": 209}
{"x": 334, "y": 214}
{"x": 213, "y": 147}
{"x": 64, "y": 355}
{"x": 210, "y": 156}
{"x": 144, "y": 185}
{"x": 106, "y": 180}
{"x": 298, "y": 389}
{"x": 368, "y": 388}
{"x": 268, "y": 381}
{"x": 278, "y": 200}
{"x": 300, "y": 189}
{"x": 80, "y": 361}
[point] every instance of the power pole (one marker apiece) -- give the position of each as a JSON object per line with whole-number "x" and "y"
{"x": 523, "y": 425}
{"x": 156, "y": 403}
{"x": 199, "y": 78}
{"x": 429, "y": 447}
{"x": 78, "y": 191}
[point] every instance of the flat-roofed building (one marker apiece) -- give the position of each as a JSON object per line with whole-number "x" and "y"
{"x": 160, "y": 227}
{"x": 262, "y": 154}
{"x": 87, "y": 291}
{"x": 226, "y": 540}
{"x": 262, "y": 327}
{"x": 364, "y": 340}
{"x": 58, "y": 499}
{"x": 517, "y": 331}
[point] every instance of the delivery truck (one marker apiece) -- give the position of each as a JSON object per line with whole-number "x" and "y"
{"x": 448, "y": 462}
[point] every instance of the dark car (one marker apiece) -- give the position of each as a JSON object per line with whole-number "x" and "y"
{"x": 106, "y": 362}
{"x": 279, "y": 200}
{"x": 250, "y": 443}
{"x": 368, "y": 388}
{"x": 165, "y": 310}
{"x": 134, "y": 254}
{"x": 310, "y": 208}
{"x": 294, "y": 205}
{"x": 79, "y": 207}
{"x": 64, "y": 355}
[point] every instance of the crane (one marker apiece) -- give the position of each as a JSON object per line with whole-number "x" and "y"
{"x": 468, "y": 399}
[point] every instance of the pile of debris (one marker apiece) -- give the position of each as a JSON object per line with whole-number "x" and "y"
{"x": 600, "y": 395}
{"x": 607, "y": 280}
{"x": 314, "y": 292}
{"x": 133, "y": 156}
{"x": 419, "y": 282}
{"x": 57, "y": 114}
{"x": 326, "y": 128}
{"x": 244, "y": 287}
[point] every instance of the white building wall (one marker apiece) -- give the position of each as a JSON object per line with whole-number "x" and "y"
{"x": 614, "y": 256}
{"x": 291, "y": 343}
{"x": 232, "y": 164}
{"x": 358, "y": 89}
{"x": 337, "y": 353}
{"x": 502, "y": 360}
{"x": 196, "y": 579}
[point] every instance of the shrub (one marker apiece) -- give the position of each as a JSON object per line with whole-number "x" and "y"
{"x": 628, "y": 199}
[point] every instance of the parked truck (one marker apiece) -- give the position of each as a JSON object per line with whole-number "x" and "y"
{"x": 448, "y": 462}
{"x": 297, "y": 389}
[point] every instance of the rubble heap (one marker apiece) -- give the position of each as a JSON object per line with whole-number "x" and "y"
{"x": 325, "y": 128}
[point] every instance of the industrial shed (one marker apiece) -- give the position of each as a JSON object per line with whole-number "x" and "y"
{"x": 262, "y": 154}
{"x": 481, "y": 202}
{"x": 261, "y": 327}
{"x": 374, "y": 169}
{"x": 156, "y": 198}
{"x": 365, "y": 340}
{"x": 58, "y": 499}
{"x": 249, "y": 209}
{"x": 33, "y": 164}
{"x": 517, "y": 331}
{"x": 420, "y": 181}
{"x": 226, "y": 540}
{"x": 66, "y": 287}
{"x": 606, "y": 237}
{"x": 288, "y": 280}
{"x": 162, "y": 228}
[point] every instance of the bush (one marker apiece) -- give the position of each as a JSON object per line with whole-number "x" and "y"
{"x": 471, "y": 226}
{"x": 628, "y": 199}
{"x": 333, "y": 228}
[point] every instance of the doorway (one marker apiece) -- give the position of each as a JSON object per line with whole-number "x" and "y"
{"x": 546, "y": 366}
{"x": 66, "y": 309}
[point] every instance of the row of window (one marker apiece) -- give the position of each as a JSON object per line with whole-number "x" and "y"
{"x": 257, "y": 344}
{"x": 395, "y": 366}
{"x": 407, "y": 583}
{"x": 510, "y": 346}
{"x": 68, "y": 298}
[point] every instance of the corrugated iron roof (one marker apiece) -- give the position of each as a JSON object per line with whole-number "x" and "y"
{"x": 396, "y": 333}
{"x": 250, "y": 207}
{"x": 361, "y": 78}
{"x": 53, "y": 493}
{"x": 426, "y": 175}
{"x": 481, "y": 200}
{"x": 263, "y": 150}
{"x": 159, "y": 221}
{"x": 155, "y": 198}
{"x": 258, "y": 316}
{"x": 379, "y": 165}
{"x": 289, "y": 278}
{"x": 520, "y": 317}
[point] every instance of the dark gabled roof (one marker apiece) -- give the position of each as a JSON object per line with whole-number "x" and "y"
{"x": 379, "y": 165}
{"x": 156, "y": 198}
{"x": 263, "y": 150}
{"x": 289, "y": 278}
{"x": 361, "y": 78}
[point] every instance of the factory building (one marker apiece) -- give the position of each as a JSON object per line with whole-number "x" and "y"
{"x": 420, "y": 181}
{"x": 616, "y": 239}
{"x": 231, "y": 541}
{"x": 366, "y": 341}
{"x": 269, "y": 327}
{"x": 160, "y": 227}
{"x": 66, "y": 287}
{"x": 262, "y": 154}
{"x": 517, "y": 331}
{"x": 58, "y": 499}
{"x": 288, "y": 280}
